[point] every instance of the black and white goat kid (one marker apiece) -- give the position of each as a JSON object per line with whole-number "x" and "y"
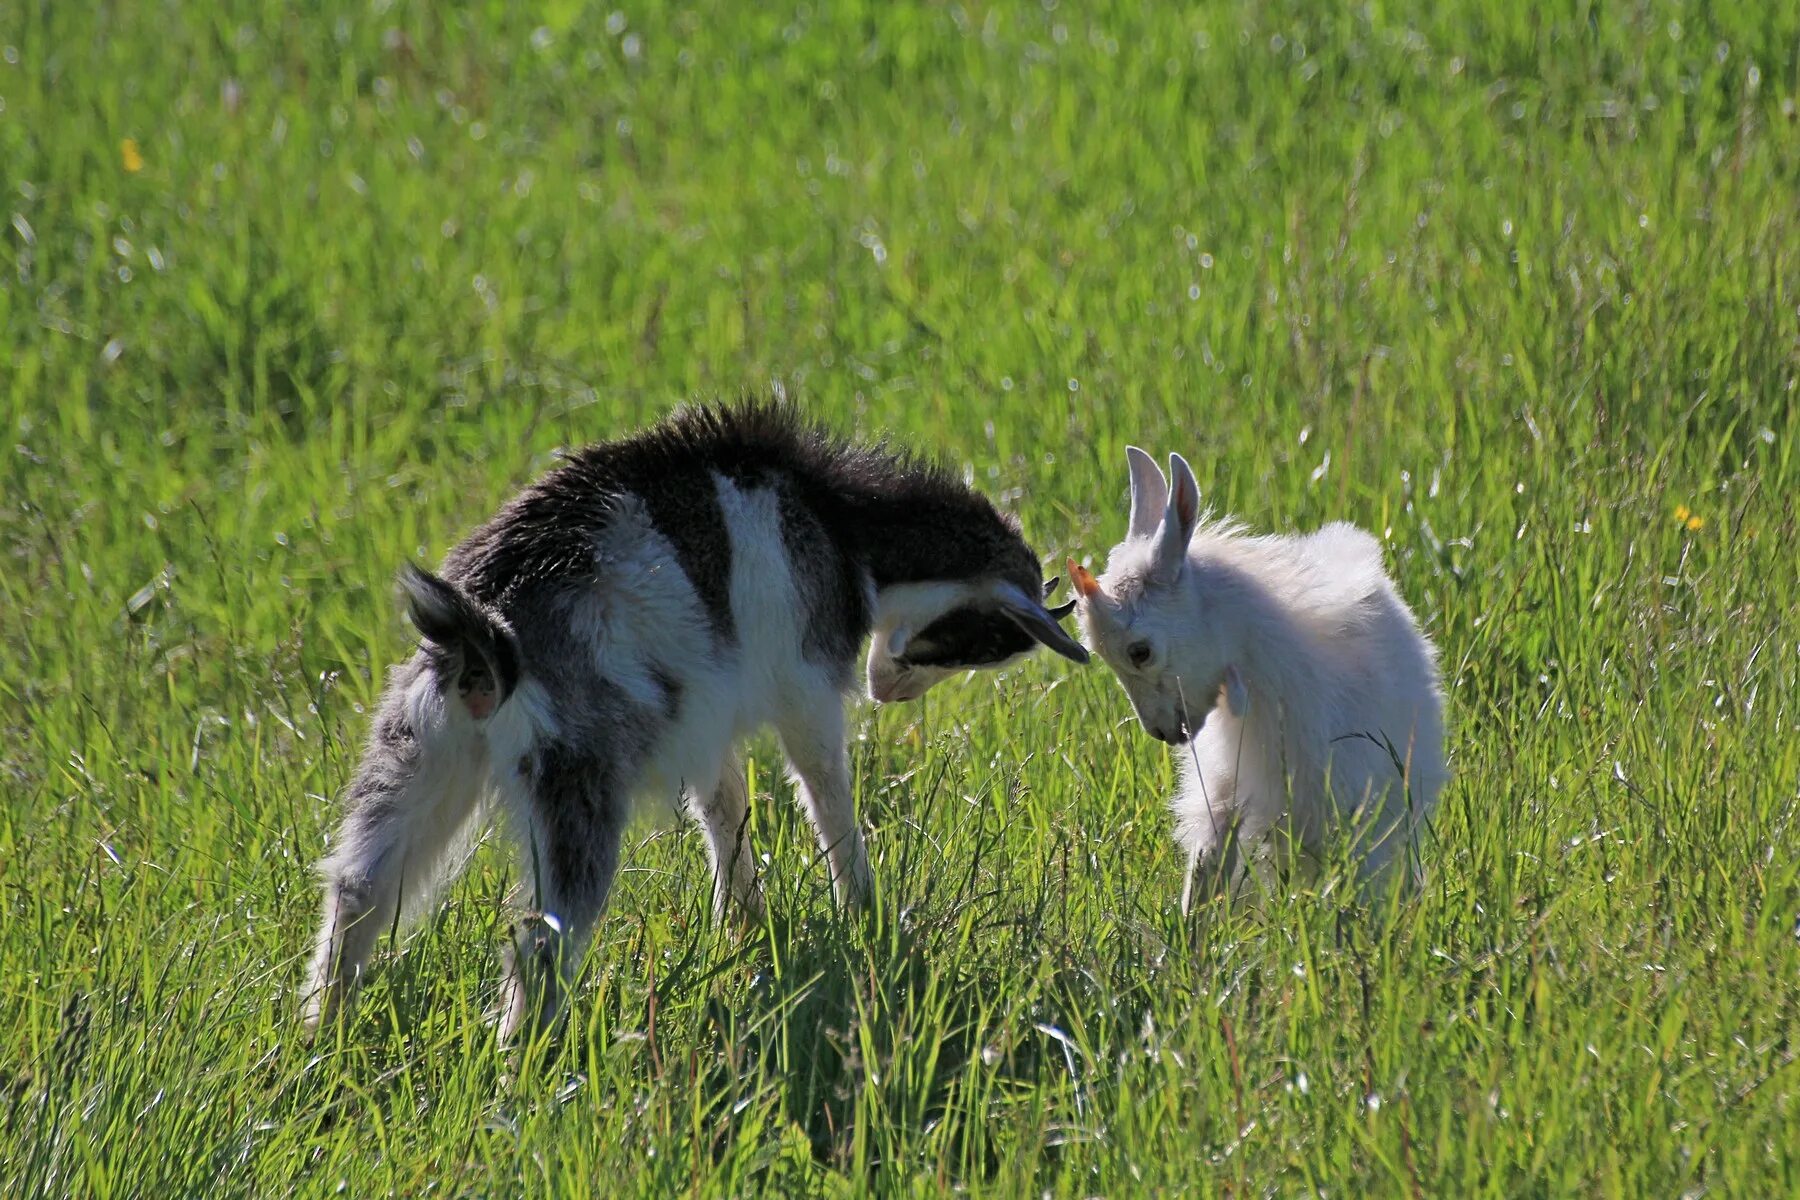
{"x": 616, "y": 628}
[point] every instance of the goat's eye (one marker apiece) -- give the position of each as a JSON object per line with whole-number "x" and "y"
{"x": 1138, "y": 653}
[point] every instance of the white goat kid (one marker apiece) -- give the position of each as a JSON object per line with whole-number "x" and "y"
{"x": 1302, "y": 697}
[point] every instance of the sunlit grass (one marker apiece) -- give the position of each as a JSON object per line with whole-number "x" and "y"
{"x": 288, "y": 299}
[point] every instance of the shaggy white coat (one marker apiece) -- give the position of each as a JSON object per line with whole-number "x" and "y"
{"x": 1296, "y": 685}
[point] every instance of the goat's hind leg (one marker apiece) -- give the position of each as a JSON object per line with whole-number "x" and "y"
{"x": 1387, "y": 837}
{"x": 410, "y": 800}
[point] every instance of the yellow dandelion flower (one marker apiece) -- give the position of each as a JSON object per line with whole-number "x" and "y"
{"x": 130, "y": 156}
{"x": 1681, "y": 513}
{"x": 1695, "y": 522}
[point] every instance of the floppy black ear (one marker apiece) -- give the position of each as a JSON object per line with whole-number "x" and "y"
{"x": 438, "y": 611}
{"x": 1036, "y": 620}
{"x": 448, "y": 617}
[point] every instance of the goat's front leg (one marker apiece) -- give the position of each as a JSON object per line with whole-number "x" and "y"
{"x": 574, "y": 814}
{"x": 1212, "y": 873}
{"x": 1246, "y": 847}
{"x": 813, "y": 736}
{"x": 1209, "y": 823}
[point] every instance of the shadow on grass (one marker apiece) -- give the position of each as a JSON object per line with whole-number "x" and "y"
{"x": 980, "y": 1011}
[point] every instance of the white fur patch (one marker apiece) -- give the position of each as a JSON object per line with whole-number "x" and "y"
{"x": 916, "y": 605}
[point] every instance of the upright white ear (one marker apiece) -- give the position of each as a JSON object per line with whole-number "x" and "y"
{"x": 1179, "y": 519}
{"x": 1149, "y": 493}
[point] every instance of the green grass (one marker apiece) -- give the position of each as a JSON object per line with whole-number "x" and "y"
{"x": 1515, "y": 286}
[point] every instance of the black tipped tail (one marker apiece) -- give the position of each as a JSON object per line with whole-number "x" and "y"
{"x": 464, "y": 637}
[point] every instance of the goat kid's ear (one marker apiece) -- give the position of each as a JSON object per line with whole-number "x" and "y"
{"x": 1083, "y": 581}
{"x": 434, "y": 607}
{"x": 1036, "y": 620}
{"x": 1149, "y": 493}
{"x": 1237, "y": 696}
{"x": 1179, "y": 519}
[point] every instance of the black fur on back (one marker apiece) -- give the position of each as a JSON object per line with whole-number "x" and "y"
{"x": 846, "y": 508}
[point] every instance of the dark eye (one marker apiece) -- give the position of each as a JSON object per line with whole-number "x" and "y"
{"x": 1138, "y": 653}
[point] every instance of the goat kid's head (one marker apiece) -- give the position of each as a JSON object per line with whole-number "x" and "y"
{"x": 1146, "y": 615}
{"x": 927, "y": 632}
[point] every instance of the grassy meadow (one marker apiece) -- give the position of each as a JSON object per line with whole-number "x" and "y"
{"x": 287, "y": 298}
